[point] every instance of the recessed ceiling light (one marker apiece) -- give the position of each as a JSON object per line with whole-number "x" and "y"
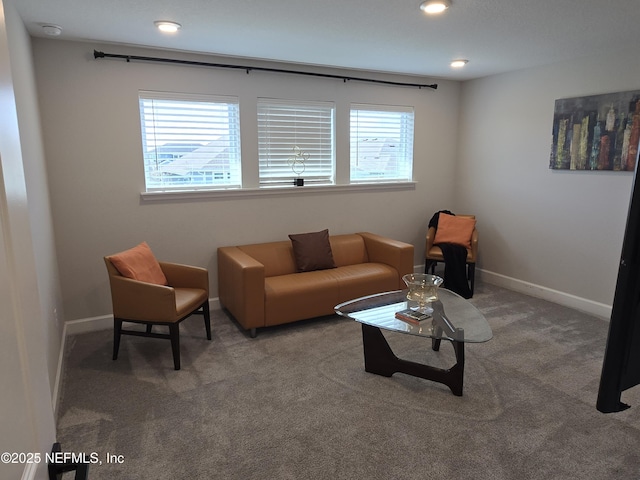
{"x": 51, "y": 30}
{"x": 459, "y": 63}
{"x": 434, "y": 6}
{"x": 167, "y": 27}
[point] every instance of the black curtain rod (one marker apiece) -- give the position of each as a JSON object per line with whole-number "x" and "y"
{"x": 128, "y": 58}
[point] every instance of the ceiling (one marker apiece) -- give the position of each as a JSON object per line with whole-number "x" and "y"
{"x": 378, "y": 35}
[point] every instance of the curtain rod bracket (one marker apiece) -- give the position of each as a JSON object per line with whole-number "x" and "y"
{"x": 129, "y": 58}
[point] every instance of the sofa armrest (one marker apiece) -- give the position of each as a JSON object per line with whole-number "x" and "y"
{"x": 135, "y": 300}
{"x": 395, "y": 253}
{"x": 241, "y": 286}
{"x": 186, "y": 276}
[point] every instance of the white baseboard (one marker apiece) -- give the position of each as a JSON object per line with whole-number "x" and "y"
{"x": 74, "y": 327}
{"x": 30, "y": 471}
{"x": 105, "y": 322}
{"x": 561, "y": 298}
{"x": 84, "y": 325}
{"x": 92, "y": 324}
{"x": 56, "y": 386}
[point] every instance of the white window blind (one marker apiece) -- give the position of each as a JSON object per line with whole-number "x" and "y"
{"x": 295, "y": 140}
{"x": 381, "y": 139}
{"x": 190, "y": 141}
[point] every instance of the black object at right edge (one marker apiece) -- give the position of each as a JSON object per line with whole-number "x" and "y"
{"x": 621, "y": 365}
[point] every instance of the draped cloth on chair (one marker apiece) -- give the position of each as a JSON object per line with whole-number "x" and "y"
{"x": 455, "y": 262}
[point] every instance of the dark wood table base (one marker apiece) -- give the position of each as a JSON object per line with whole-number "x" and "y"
{"x": 380, "y": 359}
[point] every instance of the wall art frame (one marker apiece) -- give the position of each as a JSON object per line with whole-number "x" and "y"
{"x": 596, "y": 132}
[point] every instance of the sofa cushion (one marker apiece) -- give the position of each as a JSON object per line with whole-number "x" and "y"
{"x": 452, "y": 229}
{"x": 299, "y": 296}
{"x": 139, "y": 263}
{"x": 312, "y": 251}
{"x": 364, "y": 279}
{"x": 349, "y": 249}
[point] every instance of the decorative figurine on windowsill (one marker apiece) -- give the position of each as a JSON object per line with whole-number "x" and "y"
{"x": 296, "y": 162}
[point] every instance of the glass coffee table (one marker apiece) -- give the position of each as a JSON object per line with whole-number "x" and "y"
{"x": 453, "y": 319}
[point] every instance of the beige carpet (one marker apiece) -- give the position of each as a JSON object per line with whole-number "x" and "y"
{"x": 296, "y": 403}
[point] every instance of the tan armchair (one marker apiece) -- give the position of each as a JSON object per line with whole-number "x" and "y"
{"x": 433, "y": 254}
{"x": 149, "y": 304}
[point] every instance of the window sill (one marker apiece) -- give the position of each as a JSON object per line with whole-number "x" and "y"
{"x": 259, "y": 192}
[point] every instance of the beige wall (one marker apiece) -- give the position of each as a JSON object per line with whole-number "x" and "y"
{"x": 30, "y": 336}
{"x": 35, "y": 171}
{"x": 92, "y": 140}
{"x": 556, "y": 229}
{"x": 481, "y": 147}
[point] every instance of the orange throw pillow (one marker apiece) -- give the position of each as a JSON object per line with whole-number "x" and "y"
{"x": 139, "y": 263}
{"x": 452, "y": 229}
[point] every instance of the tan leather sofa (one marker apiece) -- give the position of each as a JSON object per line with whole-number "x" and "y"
{"x": 260, "y": 286}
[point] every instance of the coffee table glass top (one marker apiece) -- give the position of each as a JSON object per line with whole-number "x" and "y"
{"x": 454, "y": 318}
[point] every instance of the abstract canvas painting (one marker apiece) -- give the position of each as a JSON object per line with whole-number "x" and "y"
{"x": 597, "y": 132}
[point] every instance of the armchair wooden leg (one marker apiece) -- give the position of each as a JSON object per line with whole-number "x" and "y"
{"x": 149, "y": 327}
{"x": 117, "y": 329}
{"x": 174, "y": 333}
{"x": 207, "y": 318}
{"x": 430, "y": 264}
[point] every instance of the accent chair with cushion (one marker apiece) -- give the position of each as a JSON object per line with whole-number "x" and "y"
{"x": 149, "y": 292}
{"x": 457, "y": 230}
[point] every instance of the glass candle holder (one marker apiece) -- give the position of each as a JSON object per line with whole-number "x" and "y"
{"x": 423, "y": 289}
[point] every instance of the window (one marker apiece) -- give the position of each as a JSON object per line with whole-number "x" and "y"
{"x": 190, "y": 141}
{"x": 295, "y": 139}
{"x": 381, "y": 143}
